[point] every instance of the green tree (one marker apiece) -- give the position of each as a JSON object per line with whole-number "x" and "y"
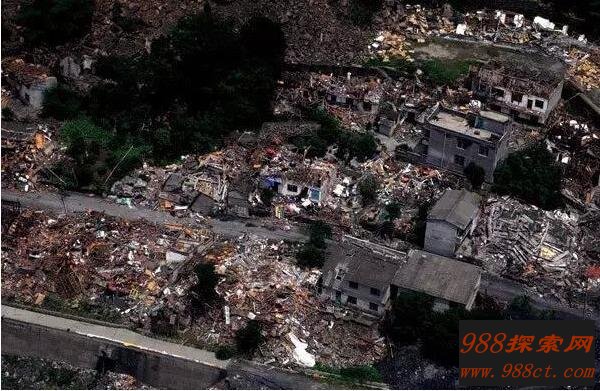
{"x": 362, "y": 146}
{"x": 393, "y": 210}
{"x": 319, "y": 231}
{"x": 62, "y": 103}
{"x": 532, "y": 175}
{"x": 362, "y": 11}
{"x": 407, "y": 317}
{"x": 310, "y": 256}
{"x": 248, "y": 338}
{"x": 203, "y": 292}
{"x": 475, "y": 174}
{"x": 54, "y": 22}
{"x": 367, "y": 188}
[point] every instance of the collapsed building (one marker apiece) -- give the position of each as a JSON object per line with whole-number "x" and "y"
{"x": 312, "y": 182}
{"x": 545, "y": 250}
{"x": 354, "y": 93}
{"x": 30, "y": 81}
{"x": 524, "y": 91}
{"x": 452, "y": 139}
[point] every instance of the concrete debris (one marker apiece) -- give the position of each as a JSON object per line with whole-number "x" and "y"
{"x": 261, "y": 281}
{"x": 127, "y": 269}
{"x": 28, "y": 152}
{"x": 542, "y": 249}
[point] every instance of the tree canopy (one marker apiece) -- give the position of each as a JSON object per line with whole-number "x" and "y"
{"x": 55, "y": 22}
{"x": 532, "y": 175}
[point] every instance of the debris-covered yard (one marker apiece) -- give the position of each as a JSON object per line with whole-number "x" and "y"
{"x": 138, "y": 274}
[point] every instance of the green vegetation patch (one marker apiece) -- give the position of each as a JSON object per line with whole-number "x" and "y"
{"x": 353, "y": 374}
{"x": 532, "y": 175}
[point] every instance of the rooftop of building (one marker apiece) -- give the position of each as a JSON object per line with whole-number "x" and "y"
{"x": 349, "y": 262}
{"x": 457, "y": 207}
{"x": 458, "y": 123}
{"x": 438, "y": 276}
{"x": 494, "y": 116}
{"x": 23, "y": 72}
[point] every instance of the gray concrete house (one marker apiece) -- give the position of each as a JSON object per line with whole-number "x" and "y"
{"x": 450, "y": 221}
{"x": 527, "y": 91}
{"x": 358, "y": 278}
{"x": 365, "y": 280}
{"x": 449, "y": 281}
{"x": 388, "y": 119}
{"x": 453, "y": 140}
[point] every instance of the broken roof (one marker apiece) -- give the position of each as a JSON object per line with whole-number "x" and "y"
{"x": 457, "y": 207}
{"x": 456, "y": 122}
{"x": 538, "y": 77}
{"x": 494, "y": 116}
{"x": 23, "y": 72}
{"x": 438, "y": 276}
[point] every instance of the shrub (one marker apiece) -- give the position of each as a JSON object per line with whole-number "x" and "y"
{"x": 362, "y": 11}
{"x": 7, "y": 114}
{"x": 475, "y": 174}
{"x": 310, "y": 256}
{"x": 203, "y": 293}
{"x": 55, "y": 21}
{"x": 62, "y": 103}
{"x": 532, "y": 175}
{"x": 319, "y": 231}
{"x": 362, "y": 373}
{"x": 367, "y": 188}
{"x": 358, "y": 373}
{"x": 248, "y": 338}
{"x": 393, "y": 210}
{"x": 225, "y": 352}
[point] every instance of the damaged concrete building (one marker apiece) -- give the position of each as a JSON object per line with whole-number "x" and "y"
{"x": 30, "y": 81}
{"x": 366, "y": 279}
{"x": 389, "y": 119}
{"x": 356, "y": 94}
{"x": 305, "y": 181}
{"x": 450, "y": 221}
{"x": 524, "y": 91}
{"x": 453, "y": 140}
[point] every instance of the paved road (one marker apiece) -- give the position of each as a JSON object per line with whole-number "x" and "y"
{"x": 77, "y": 202}
{"x": 506, "y": 290}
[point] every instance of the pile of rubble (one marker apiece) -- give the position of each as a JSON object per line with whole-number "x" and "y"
{"x": 199, "y": 184}
{"x": 316, "y": 31}
{"x": 92, "y": 258}
{"x": 388, "y": 45}
{"x": 260, "y": 280}
{"x": 585, "y": 71}
{"x": 28, "y": 154}
{"x": 29, "y": 373}
{"x": 576, "y": 144}
{"x": 540, "y": 248}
